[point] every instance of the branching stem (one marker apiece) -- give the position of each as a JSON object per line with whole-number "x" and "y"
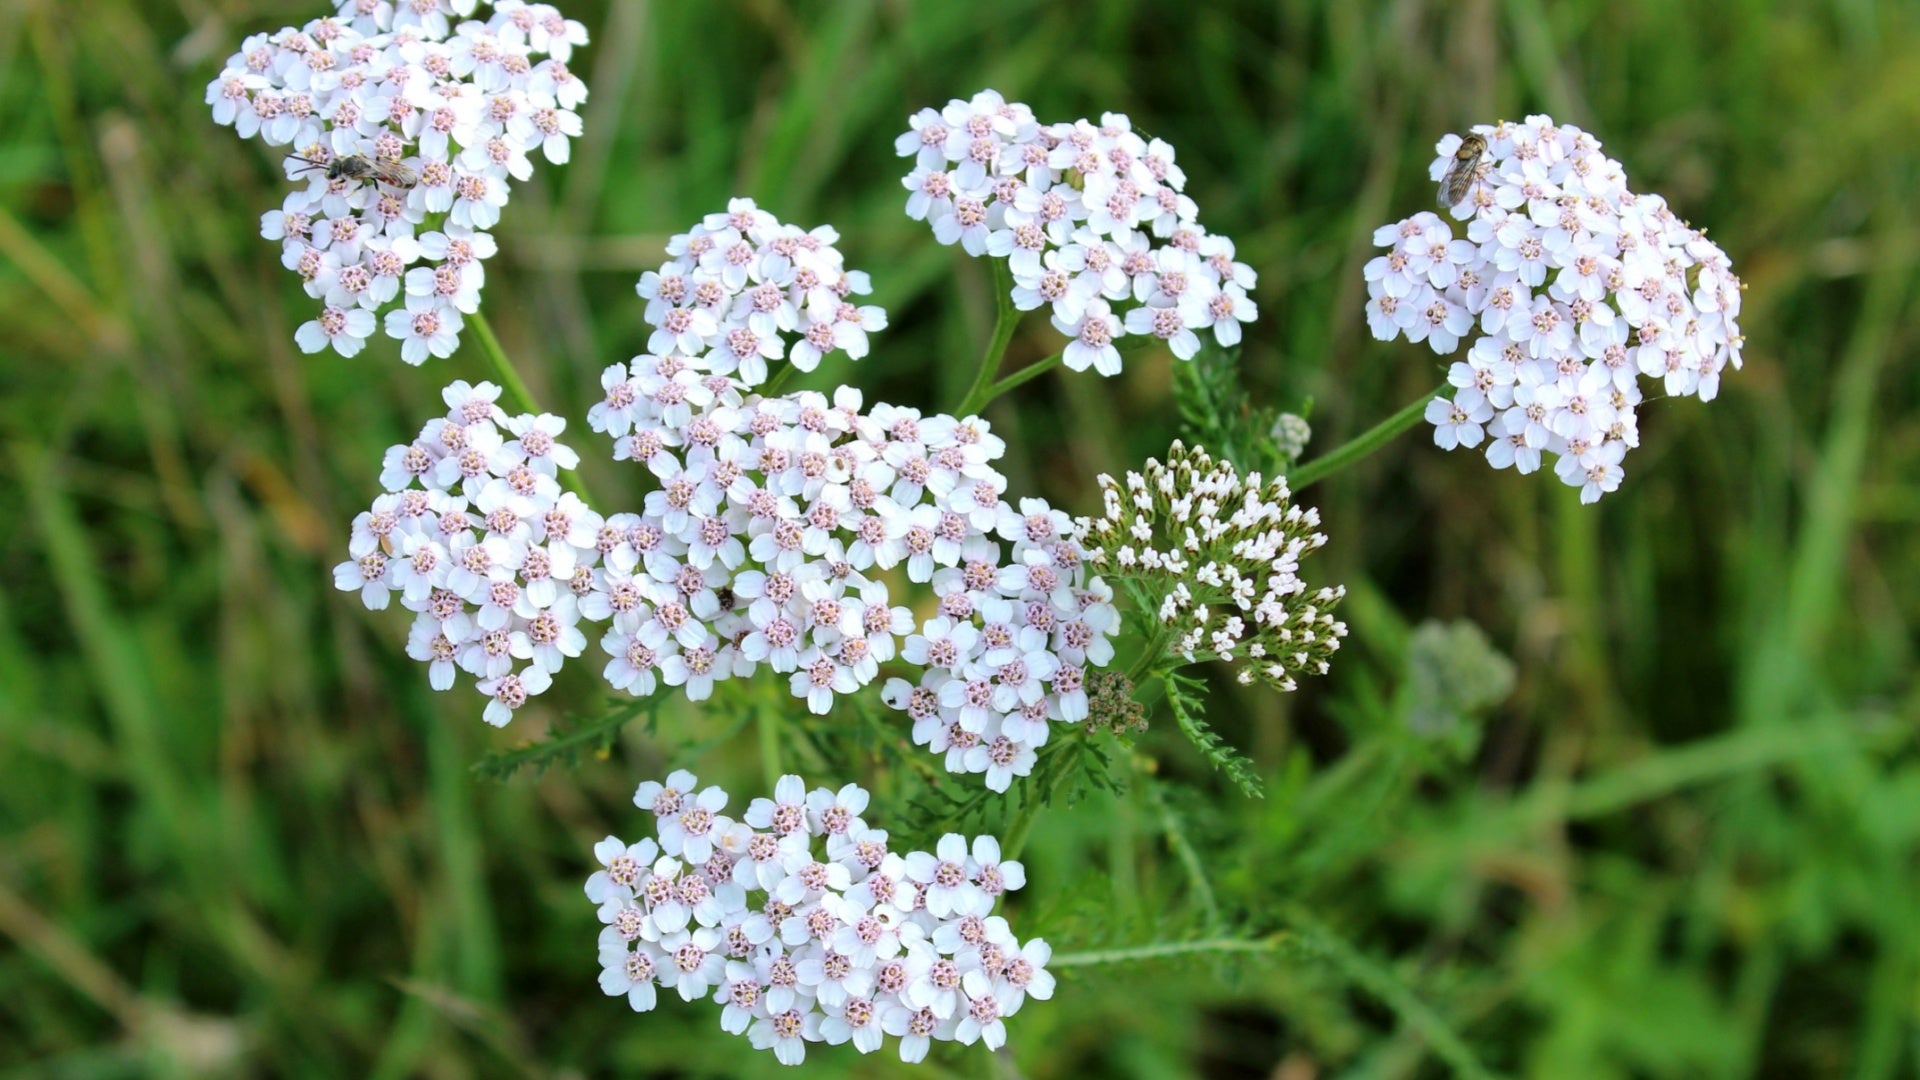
{"x": 1363, "y": 444}
{"x": 1006, "y": 318}
{"x": 517, "y": 391}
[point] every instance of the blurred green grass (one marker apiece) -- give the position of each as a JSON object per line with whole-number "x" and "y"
{"x": 239, "y": 835}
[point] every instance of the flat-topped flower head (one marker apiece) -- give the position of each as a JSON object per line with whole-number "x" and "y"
{"x": 775, "y": 538}
{"x": 404, "y": 126}
{"x": 854, "y": 946}
{"x": 786, "y": 516}
{"x": 1565, "y": 289}
{"x": 780, "y": 527}
{"x": 1092, "y": 220}
{"x": 478, "y": 540}
{"x": 742, "y": 290}
{"x": 1223, "y": 551}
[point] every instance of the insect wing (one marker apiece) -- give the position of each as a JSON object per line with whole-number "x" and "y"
{"x": 395, "y": 174}
{"x": 1461, "y": 174}
{"x": 1453, "y": 186}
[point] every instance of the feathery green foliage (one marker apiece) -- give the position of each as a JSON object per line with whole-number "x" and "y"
{"x": 1216, "y": 412}
{"x": 1186, "y": 701}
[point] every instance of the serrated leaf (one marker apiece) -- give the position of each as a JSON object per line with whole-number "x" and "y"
{"x": 567, "y": 740}
{"x": 1183, "y": 697}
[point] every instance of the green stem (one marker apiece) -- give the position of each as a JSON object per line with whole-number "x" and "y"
{"x": 1014, "y": 838}
{"x": 1280, "y": 942}
{"x": 1035, "y": 370}
{"x": 1150, "y": 654}
{"x": 503, "y": 368}
{"x": 771, "y": 388}
{"x": 1024, "y": 375}
{"x": 1176, "y": 835}
{"x": 1366, "y": 443}
{"x": 768, "y": 721}
{"x": 1006, "y": 318}
{"x": 516, "y": 388}
{"x": 1149, "y": 693}
{"x": 1383, "y": 984}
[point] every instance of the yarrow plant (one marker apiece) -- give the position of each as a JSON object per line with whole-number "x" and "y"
{"x": 804, "y": 927}
{"x": 408, "y": 128}
{"x": 856, "y": 553}
{"x": 1092, "y": 221}
{"x": 1567, "y": 288}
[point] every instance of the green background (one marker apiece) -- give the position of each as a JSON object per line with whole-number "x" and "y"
{"x": 240, "y": 836}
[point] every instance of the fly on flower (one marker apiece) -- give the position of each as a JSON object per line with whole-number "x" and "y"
{"x": 420, "y": 126}
{"x": 360, "y": 168}
{"x": 1463, "y": 172}
{"x": 1565, "y": 290}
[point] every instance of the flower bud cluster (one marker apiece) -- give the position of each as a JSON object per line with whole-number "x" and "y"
{"x": 423, "y": 125}
{"x": 804, "y": 927}
{"x": 740, "y": 284}
{"x": 476, "y": 536}
{"x": 1224, "y": 552}
{"x": 1577, "y": 288}
{"x": 1453, "y": 672}
{"x": 1291, "y": 433}
{"x": 1111, "y": 706}
{"x": 1092, "y": 221}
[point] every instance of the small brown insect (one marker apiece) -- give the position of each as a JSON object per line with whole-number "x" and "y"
{"x": 1463, "y": 172}
{"x": 359, "y": 168}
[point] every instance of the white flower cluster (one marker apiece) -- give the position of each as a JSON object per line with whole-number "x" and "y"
{"x": 1011, "y": 648}
{"x": 804, "y": 927}
{"x": 778, "y": 521}
{"x": 772, "y": 537}
{"x": 408, "y": 130}
{"x": 1578, "y": 288}
{"x": 775, "y": 535}
{"x": 476, "y": 536}
{"x": 1224, "y": 552}
{"x": 1090, "y": 218}
{"x": 740, "y": 282}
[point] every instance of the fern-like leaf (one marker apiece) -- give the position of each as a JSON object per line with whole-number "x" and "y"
{"x": 1215, "y": 412}
{"x": 1184, "y": 699}
{"x": 567, "y": 740}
